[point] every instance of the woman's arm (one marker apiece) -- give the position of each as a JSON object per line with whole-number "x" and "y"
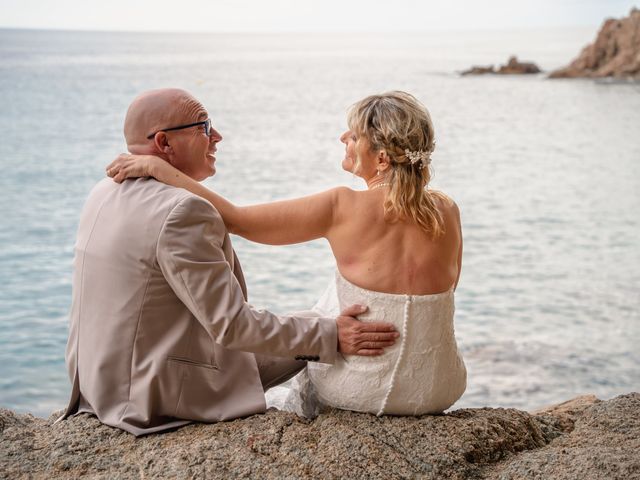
{"x": 277, "y": 223}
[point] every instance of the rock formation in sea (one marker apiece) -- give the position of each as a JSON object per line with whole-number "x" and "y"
{"x": 615, "y": 52}
{"x": 584, "y": 438}
{"x": 478, "y": 70}
{"x": 512, "y": 67}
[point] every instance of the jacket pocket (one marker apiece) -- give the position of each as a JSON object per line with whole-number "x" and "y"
{"x": 192, "y": 363}
{"x": 199, "y": 385}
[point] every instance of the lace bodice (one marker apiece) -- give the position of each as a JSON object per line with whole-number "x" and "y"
{"x": 422, "y": 373}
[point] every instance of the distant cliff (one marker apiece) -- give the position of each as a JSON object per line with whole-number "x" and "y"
{"x": 615, "y": 53}
{"x": 583, "y": 438}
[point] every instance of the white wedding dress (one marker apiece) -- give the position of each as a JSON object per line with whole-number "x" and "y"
{"x": 422, "y": 373}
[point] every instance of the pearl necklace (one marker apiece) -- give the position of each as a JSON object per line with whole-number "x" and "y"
{"x": 380, "y": 185}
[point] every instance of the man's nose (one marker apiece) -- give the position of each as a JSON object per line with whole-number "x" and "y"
{"x": 215, "y": 136}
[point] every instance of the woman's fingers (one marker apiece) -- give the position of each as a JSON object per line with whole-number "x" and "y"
{"x": 118, "y": 166}
{"x": 127, "y": 166}
{"x": 118, "y": 160}
{"x": 119, "y": 177}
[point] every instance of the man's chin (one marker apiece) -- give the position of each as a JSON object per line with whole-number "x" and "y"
{"x": 211, "y": 172}
{"x": 211, "y": 165}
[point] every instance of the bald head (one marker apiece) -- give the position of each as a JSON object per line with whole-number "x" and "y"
{"x": 157, "y": 109}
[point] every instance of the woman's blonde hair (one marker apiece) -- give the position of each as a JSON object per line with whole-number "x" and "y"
{"x": 398, "y": 123}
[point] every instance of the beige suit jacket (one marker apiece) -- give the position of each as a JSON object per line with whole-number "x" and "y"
{"x": 160, "y": 331}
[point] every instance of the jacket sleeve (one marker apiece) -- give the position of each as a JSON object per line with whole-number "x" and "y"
{"x": 191, "y": 258}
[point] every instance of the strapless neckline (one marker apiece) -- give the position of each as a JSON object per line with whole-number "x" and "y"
{"x": 341, "y": 279}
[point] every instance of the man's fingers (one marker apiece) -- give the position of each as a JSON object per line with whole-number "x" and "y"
{"x": 374, "y": 345}
{"x": 354, "y": 310}
{"x": 359, "y": 338}
{"x": 377, "y": 327}
{"x": 390, "y": 337}
{"x": 378, "y": 337}
{"x": 386, "y": 344}
{"x": 370, "y": 352}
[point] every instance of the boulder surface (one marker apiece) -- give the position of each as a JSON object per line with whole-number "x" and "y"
{"x": 583, "y": 438}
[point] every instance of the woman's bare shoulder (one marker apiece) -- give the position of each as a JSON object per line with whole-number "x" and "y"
{"x": 345, "y": 201}
{"x": 344, "y": 190}
{"x": 445, "y": 202}
{"x": 333, "y": 195}
{"x": 343, "y": 194}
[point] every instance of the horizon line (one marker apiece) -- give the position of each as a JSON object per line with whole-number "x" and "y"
{"x": 298, "y": 32}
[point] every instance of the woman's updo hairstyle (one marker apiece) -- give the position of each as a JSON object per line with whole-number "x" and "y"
{"x": 398, "y": 123}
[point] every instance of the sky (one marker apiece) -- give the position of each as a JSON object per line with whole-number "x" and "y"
{"x": 306, "y": 15}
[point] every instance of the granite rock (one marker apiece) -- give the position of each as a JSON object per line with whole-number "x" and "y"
{"x": 615, "y": 52}
{"x": 515, "y": 67}
{"x": 584, "y": 438}
{"x": 479, "y": 70}
{"x": 512, "y": 67}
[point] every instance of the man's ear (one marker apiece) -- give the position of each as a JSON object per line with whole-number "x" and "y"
{"x": 161, "y": 142}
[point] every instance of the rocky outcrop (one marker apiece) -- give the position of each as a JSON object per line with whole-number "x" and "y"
{"x": 584, "y": 438}
{"x": 512, "y": 67}
{"x": 615, "y": 53}
{"x": 477, "y": 70}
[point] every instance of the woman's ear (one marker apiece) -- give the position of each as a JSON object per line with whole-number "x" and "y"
{"x": 383, "y": 160}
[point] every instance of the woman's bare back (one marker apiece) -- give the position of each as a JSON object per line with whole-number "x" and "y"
{"x": 396, "y": 257}
{"x": 371, "y": 252}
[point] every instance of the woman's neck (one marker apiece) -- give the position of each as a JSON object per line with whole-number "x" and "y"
{"x": 377, "y": 181}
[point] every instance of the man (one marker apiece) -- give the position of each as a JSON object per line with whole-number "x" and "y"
{"x": 160, "y": 331}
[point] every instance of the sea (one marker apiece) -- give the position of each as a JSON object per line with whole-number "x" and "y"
{"x": 546, "y": 174}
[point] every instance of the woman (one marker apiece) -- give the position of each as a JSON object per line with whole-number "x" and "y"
{"x": 398, "y": 249}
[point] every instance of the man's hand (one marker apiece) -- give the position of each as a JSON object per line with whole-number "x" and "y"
{"x": 358, "y": 338}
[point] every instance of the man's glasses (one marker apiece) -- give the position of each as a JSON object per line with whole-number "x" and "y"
{"x": 206, "y": 123}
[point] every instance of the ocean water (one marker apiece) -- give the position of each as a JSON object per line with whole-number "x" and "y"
{"x": 546, "y": 174}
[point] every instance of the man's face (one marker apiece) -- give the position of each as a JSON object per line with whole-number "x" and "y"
{"x": 193, "y": 151}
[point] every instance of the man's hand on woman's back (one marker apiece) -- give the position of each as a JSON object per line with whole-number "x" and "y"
{"x": 359, "y": 338}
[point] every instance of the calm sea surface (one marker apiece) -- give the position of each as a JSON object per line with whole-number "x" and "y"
{"x": 546, "y": 173}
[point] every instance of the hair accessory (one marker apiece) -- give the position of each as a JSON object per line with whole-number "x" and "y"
{"x": 423, "y": 156}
